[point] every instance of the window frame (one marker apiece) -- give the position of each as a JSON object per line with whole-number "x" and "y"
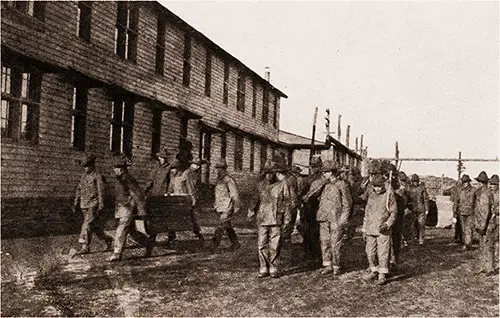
{"x": 238, "y": 152}
{"x": 84, "y": 18}
{"x": 223, "y": 145}
{"x": 124, "y": 125}
{"x": 254, "y": 98}
{"x": 252, "y": 155}
{"x": 265, "y": 105}
{"x": 161, "y": 31}
{"x": 79, "y": 116}
{"x": 31, "y": 8}
{"x": 225, "y": 84}
{"x": 241, "y": 90}
{"x": 263, "y": 155}
{"x": 126, "y": 30}
{"x": 23, "y": 97}
{"x": 156, "y": 124}
{"x": 186, "y": 56}
{"x": 208, "y": 72}
{"x": 275, "y": 111}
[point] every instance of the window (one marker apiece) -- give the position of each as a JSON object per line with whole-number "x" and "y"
{"x": 184, "y": 127}
{"x": 80, "y": 99}
{"x": 275, "y": 111}
{"x": 160, "y": 46}
{"x": 240, "y": 97}
{"x": 20, "y": 102}
{"x": 263, "y": 156}
{"x": 208, "y": 73}
{"x": 126, "y": 31}
{"x": 205, "y": 145}
{"x": 186, "y": 70}
{"x": 156, "y": 132}
{"x": 84, "y": 19}
{"x": 254, "y": 99}
{"x": 238, "y": 153}
{"x": 32, "y": 8}
{"x": 226, "y": 83}
{"x": 223, "y": 145}
{"x": 122, "y": 123}
{"x": 265, "y": 106}
{"x": 252, "y": 154}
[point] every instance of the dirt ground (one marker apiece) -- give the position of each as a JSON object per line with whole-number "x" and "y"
{"x": 191, "y": 280}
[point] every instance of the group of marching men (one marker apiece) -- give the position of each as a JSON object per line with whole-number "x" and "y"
{"x": 323, "y": 206}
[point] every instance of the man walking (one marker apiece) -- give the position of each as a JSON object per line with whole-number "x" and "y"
{"x": 494, "y": 222}
{"x": 89, "y": 198}
{"x": 227, "y": 202}
{"x": 464, "y": 210}
{"x": 130, "y": 210}
{"x": 333, "y": 217}
{"x": 483, "y": 213}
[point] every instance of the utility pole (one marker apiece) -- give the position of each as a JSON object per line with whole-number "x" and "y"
{"x": 339, "y": 134}
{"x": 396, "y": 154}
{"x": 327, "y": 121}
{"x": 347, "y": 135}
{"x": 356, "y": 144}
{"x": 460, "y": 166}
{"x": 313, "y": 136}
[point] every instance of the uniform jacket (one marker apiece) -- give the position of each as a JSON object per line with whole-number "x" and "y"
{"x": 483, "y": 207}
{"x": 402, "y": 200}
{"x": 335, "y": 204}
{"x": 271, "y": 202}
{"x": 465, "y": 199}
{"x": 90, "y": 191}
{"x": 292, "y": 185}
{"x": 494, "y": 224}
{"x": 130, "y": 199}
{"x": 376, "y": 212}
{"x": 227, "y": 198}
{"x": 193, "y": 179}
{"x": 419, "y": 199}
{"x": 160, "y": 180}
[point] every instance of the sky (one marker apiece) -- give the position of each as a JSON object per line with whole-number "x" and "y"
{"x": 425, "y": 74}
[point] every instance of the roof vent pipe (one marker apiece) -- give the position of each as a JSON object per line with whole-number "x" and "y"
{"x": 267, "y": 73}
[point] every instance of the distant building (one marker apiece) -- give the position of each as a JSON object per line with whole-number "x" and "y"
{"x": 331, "y": 149}
{"x": 123, "y": 77}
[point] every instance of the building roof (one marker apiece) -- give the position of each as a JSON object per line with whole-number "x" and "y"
{"x": 184, "y": 25}
{"x": 337, "y": 144}
{"x": 291, "y": 138}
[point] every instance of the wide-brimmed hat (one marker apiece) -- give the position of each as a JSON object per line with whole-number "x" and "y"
{"x": 494, "y": 179}
{"x": 378, "y": 179}
{"x": 279, "y": 166}
{"x": 162, "y": 154}
{"x": 176, "y": 164}
{"x": 375, "y": 167}
{"x": 221, "y": 163}
{"x": 198, "y": 162}
{"x": 295, "y": 169}
{"x": 329, "y": 166}
{"x": 482, "y": 177}
{"x": 316, "y": 162}
{"x": 465, "y": 178}
{"x": 414, "y": 178}
{"x": 88, "y": 160}
{"x": 402, "y": 176}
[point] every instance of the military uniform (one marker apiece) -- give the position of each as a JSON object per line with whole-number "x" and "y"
{"x": 419, "y": 203}
{"x": 376, "y": 227}
{"x": 227, "y": 202}
{"x": 464, "y": 209}
{"x": 333, "y": 217}
{"x": 401, "y": 195}
{"x": 483, "y": 214}
{"x": 89, "y": 197}
{"x": 270, "y": 205}
{"x": 130, "y": 210}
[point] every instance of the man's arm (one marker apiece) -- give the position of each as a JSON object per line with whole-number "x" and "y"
{"x": 233, "y": 193}
{"x": 346, "y": 199}
{"x": 100, "y": 191}
{"x": 77, "y": 195}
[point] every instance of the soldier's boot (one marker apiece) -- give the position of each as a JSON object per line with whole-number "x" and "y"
{"x": 336, "y": 270}
{"x": 109, "y": 244}
{"x": 369, "y": 276}
{"x": 233, "y": 237}
{"x": 149, "y": 247}
{"x": 217, "y": 238}
{"x": 382, "y": 279}
{"x": 84, "y": 250}
{"x": 327, "y": 270}
{"x": 172, "y": 236}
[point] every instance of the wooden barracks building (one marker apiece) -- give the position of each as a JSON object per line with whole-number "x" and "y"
{"x": 103, "y": 77}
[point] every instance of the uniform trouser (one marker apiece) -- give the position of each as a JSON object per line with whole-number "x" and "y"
{"x": 420, "y": 224}
{"x": 289, "y": 223}
{"x": 269, "y": 248}
{"x": 225, "y": 226}
{"x": 458, "y": 231}
{"x": 377, "y": 251}
{"x": 409, "y": 227}
{"x": 172, "y": 235}
{"x": 92, "y": 224}
{"x": 331, "y": 241}
{"x": 137, "y": 228}
{"x": 467, "y": 224}
{"x": 397, "y": 233}
{"x": 487, "y": 251}
{"x": 310, "y": 233}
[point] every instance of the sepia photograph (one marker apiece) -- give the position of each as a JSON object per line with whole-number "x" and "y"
{"x": 250, "y": 158}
